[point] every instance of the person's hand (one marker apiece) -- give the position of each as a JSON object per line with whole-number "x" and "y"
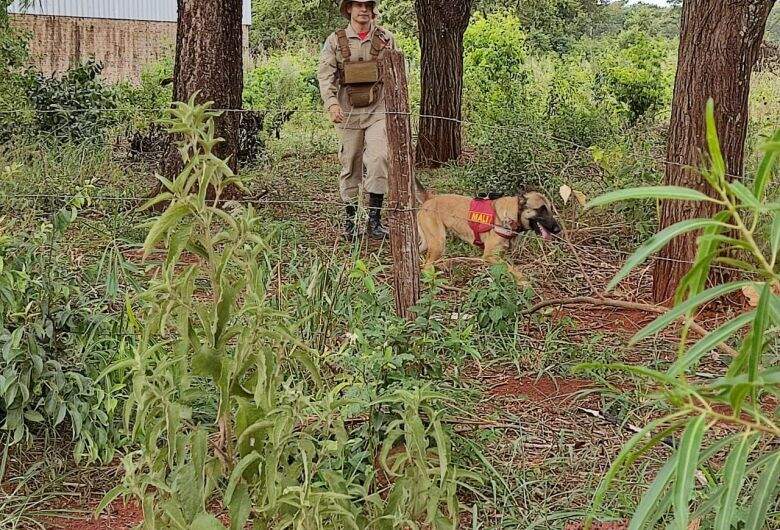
{"x": 336, "y": 115}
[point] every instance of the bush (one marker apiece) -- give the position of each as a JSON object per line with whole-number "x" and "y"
{"x": 13, "y": 97}
{"x": 77, "y": 106}
{"x": 281, "y": 85}
{"x": 283, "y": 81}
{"x": 578, "y": 112}
{"x": 293, "y": 449}
{"x": 55, "y": 342}
{"x": 493, "y": 64}
{"x": 634, "y": 73}
{"x": 145, "y": 102}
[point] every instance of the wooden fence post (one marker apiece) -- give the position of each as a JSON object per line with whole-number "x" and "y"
{"x": 401, "y": 202}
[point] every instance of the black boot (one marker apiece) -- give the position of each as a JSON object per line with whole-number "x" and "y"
{"x": 350, "y": 228}
{"x": 375, "y": 228}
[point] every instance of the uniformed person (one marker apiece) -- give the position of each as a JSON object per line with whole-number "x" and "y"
{"x": 349, "y": 84}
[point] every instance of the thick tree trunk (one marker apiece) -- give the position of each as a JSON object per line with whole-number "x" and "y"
{"x": 209, "y": 61}
{"x": 442, "y": 24}
{"x": 719, "y": 44}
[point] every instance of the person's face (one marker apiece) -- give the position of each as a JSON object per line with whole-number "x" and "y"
{"x": 361, "y": 12}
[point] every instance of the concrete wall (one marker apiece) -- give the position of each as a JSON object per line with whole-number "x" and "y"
{"x": 123, "y": 46}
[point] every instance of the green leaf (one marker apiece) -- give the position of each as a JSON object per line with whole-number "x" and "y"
{"x": 162, "y": 197}
{"x": 206, "y": 521}
{"x": 225, "y": 307}
{"x": 649, "y": 192}
{"x": 653, "y": 494}
{"x": 443, "y": 446}
{"x": 764, "y": 173}
{"x": 745, "y": 196}
{"x": 237, "y": 473}
{"x": 33, "y": 416}
{"x": 240, "y": 507}
{"x": 108, "y": 498}
{"x": 710, "y": 342}
{"x": 689, "y": 305}
{"x": 642, "y": 371}
{"x": 764, "y": 494}
{"x": 687, "y": 463}
{"x": 207, "y": 363}
{"x": 165, "y": 223}
{"x": 718, "y": 164}
{"x": 659, "y": 241}
{"x": 177, "y": 242}
{"x": 733, "y": 479}
{"x": 774, "y": 235}
{"x": 756, "y": 338}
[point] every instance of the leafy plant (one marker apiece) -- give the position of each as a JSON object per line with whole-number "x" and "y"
{"x": 230, "y": 405}
{"x": 14, "y": 52}
{"x": 740, "y": 492}
{"x": 55, "y": 340}
{"x": 495, "y": 300}
{"x": 634, "y": 73}
{"x": 76, "y": 106}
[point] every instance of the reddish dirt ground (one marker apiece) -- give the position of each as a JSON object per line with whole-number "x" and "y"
{"x": 545, "y": 391}
{"x": 116, "y": 517}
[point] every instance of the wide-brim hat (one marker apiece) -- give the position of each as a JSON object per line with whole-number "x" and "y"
{"x": 344, "y": 3}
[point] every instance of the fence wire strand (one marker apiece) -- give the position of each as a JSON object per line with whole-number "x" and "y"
{"x": 262, "y": 201}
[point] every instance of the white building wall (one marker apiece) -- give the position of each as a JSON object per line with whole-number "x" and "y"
{"x": 151, "y": 10}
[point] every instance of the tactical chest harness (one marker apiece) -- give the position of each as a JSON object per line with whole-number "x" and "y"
{"x": 482, "y": 218}
{"x": 361, "y": 78}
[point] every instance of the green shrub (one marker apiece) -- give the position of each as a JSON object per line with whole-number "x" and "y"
{"x": 281, "y": 85}
{"x": 493, "y": 65}
{"x": 55, "y": 340}
{"x": 634, "y": 74}
{"x": 293, "y": 448}
{"x": 289, "y": 22}
{"x": 13, "y": 98}
{"x": 495, "y": 301}
{"x": 578, "y": 111}
{"x": 282, "y": 81}
{"x": 144, "y": 103}
{"x": 77, "y": 106}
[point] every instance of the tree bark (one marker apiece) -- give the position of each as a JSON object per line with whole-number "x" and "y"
{"x": 442, "y": 24}
{"x": 209, "y": 61}
{"x": 404, "y": 239}
{"x": 719, "y": 44}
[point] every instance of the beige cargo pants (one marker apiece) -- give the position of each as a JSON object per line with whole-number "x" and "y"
{"x": 363, "y": 147}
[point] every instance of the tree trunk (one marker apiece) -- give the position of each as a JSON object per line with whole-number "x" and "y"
{"x": 442, "y": 24}
{"x": 209, "y": 61}
{"x": 719, "y": 44}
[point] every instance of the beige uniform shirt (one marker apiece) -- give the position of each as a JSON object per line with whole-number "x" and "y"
{"x": 331, "y": 90}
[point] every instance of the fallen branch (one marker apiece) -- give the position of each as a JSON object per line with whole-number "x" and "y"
{"x": 622, "y": 304}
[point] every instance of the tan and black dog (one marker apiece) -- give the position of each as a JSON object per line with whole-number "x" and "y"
{"x": 438, "y": 214}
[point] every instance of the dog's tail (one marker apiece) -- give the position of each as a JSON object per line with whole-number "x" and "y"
{"x": 420, "y": 192}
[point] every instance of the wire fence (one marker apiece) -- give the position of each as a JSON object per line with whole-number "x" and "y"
{"x": 263, "y": 201}
{"x": 527, "y": 129}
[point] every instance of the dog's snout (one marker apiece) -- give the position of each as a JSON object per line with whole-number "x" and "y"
{"x": 556, "y": 229}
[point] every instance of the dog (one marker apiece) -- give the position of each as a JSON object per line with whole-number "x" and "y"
{"x": 490, "y": 223}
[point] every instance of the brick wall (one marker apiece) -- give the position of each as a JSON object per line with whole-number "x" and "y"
{"x": 123, "y": 46}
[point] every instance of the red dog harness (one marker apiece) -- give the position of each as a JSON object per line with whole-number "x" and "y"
{"x": 482, "y": 218}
